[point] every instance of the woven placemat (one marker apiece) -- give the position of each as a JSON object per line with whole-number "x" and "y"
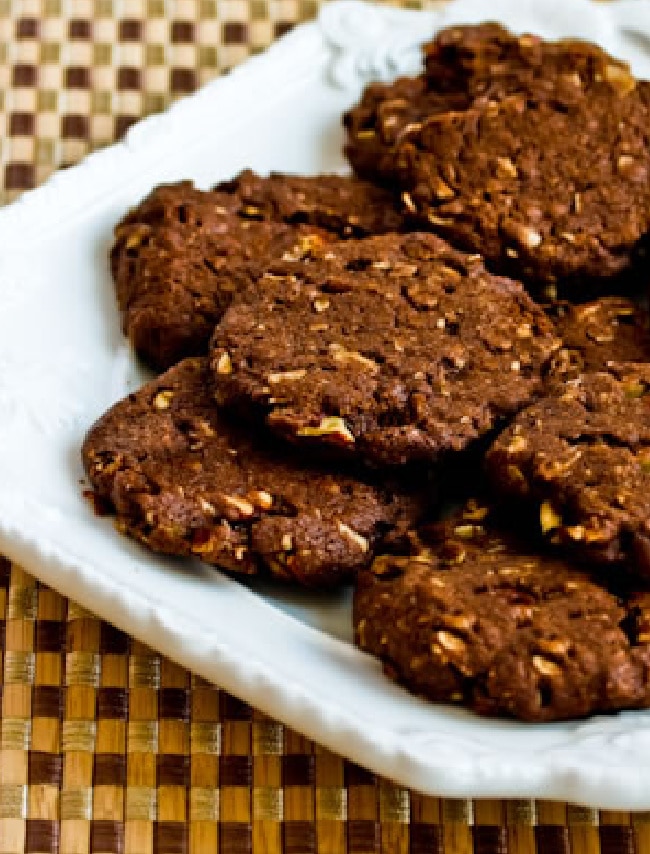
{"x": 105, "y": 746}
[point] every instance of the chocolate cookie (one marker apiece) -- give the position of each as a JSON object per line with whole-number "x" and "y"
{"x": 181, "y": 255}
{"x": 540, "y": 185}
{"x": 474, "y": 617}
{"x": 464, "y": 66}
{"x": 393, "y": 349}
{"x": 184, "y": 480}
{"x": 526, "y": 151}
{"x": 581, "y": 459}
{"x": 594, "y": 334}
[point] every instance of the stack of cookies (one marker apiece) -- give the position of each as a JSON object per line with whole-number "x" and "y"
{"x": 461, "y": 318}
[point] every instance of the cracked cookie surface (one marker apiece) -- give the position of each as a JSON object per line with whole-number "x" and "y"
{"x": 184, "y": 480}
{"x": 181, "y": 256}
{"x": 471, "y": 616}
{"x": 393, "y": 349}
{"x": 580, "y": 458}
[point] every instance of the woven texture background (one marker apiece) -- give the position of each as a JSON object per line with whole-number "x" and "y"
{"x": 105, "y": 746}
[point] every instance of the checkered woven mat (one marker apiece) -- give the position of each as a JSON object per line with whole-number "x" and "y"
{"x": 105, "y": 746}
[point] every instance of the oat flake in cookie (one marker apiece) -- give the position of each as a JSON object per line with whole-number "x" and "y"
{"x": 392, "y": 349}
{"x": 473, "y": 617}
{"x": 183, "y": 480}
{"x": 580, "y": 459}
{"x": 182, "y": 254}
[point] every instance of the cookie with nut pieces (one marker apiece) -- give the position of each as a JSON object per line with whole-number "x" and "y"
{"x": 464, "y": 66}
{"x": 184, "y": 480}
{"x": 470, "y": 615}
{"x": 182, "y": 254}
{"x": 392, "y": 349}
{"x": 540, "y": 160}
{"x": 580, "y": 460}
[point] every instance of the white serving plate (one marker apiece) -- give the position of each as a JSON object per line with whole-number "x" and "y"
{"x": 63, "y": 361}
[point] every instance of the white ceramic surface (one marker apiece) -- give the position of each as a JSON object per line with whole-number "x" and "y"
{"x": 63, "y": 361}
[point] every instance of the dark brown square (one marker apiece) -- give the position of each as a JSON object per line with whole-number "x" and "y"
{"x": 355, "y": 775}
{"x": 363, "y": 837}
{"x": 234, "y": 32}
{"x": 41, "y": 836}
{"x": 182, "y": 32}
{"x": 27, "y": 28}
{"x": 616, "y": 839}
{"x": 298, "y": 837}
{"x": 44, "y": 769}
{"x": 182, "y": 80}
{"x": 113, "y": 641}
{"x": 50, "y": 636}
{"x": 490, "y": 839}
{"x": 129, "y": 78}
{"x": 112, "y": 703}
{"x": 21, "y": 124}
{"x": 298, "y": 770}
{"x": 106, "y": 836}
{"x": 426, "y": 839}
{"x": 123, "y": 123}
{"x": 172, "y": 770}
{"x": 47, "y": 701}
{"x": 130, "y": 30}
{"x": 20, "y": 176}
{"x": 552, "y": 838}
{"x": 109, "y": 769}
{"x": 232, "y": 709}
{"x": 281, "y": 28}
{"x": 78, "y": 28}
{"x": 235, "y": 838}
{"x": 24, "y": 75}
{"x": 77, "y": 77}
{"x": 235, "y": 771}
{"x": 5, "y": 572}
{"x": 174, "y": 703}
{"x": 75, "y": 126}
{"x": 170, "y": 837}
